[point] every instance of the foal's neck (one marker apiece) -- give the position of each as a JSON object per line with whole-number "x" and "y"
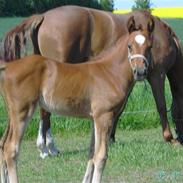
{"x": 118, "y": 53}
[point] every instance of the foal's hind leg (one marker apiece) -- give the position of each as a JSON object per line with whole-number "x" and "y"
{"x": 90, "y": 166}
{"x": 45, "y": 141}
{"x": 157, "y": 82}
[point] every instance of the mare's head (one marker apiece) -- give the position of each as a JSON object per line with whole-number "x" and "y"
{"x": 139, "y": 48}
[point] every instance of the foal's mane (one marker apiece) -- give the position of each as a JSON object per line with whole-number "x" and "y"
{"x": 110, "y": 52}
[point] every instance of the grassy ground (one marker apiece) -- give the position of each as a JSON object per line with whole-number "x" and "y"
{"x": 137, "y": 157}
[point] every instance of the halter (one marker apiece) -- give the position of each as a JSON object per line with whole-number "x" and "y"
{"x": 131, "y": 57}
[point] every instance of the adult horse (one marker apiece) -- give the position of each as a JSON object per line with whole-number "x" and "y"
{"x": 74, "y": 34}
{"x": 95, "y": 90}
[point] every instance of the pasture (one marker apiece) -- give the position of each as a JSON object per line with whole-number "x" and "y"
{"x": 140, "y": 154}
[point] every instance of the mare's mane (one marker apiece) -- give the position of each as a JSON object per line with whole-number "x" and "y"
{"x": 173, "y": 34}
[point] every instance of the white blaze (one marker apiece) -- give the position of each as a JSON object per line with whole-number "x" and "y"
{"x": 140, "y": 39}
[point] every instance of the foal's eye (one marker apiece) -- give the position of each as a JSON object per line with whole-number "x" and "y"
{"x": 130, "y": 47}
{"x": 151, "y": 46}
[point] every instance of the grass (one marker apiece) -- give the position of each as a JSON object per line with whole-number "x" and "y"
{"x": 137, "y": 157}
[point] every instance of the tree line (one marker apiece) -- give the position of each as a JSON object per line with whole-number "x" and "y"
{"x": 28, "y": 7}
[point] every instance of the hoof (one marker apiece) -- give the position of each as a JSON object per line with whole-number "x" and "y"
{"x": 175, "y": 142}
{"x": 44, "y": 152}
{"x": 112, "y": 140}
{"x": 43, "y": 155}
{"x": 180, "y": 139}
{"x": 53, "y": 151}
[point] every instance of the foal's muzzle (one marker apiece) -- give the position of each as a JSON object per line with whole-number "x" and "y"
{"x": 139, "y": 64}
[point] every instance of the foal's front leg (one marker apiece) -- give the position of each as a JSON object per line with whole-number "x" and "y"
{"x": 45, "y": 141}
{"x": 96, "y": 164}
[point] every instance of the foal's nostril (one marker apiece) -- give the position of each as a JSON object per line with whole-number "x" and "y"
{"x": 141, "y": 71}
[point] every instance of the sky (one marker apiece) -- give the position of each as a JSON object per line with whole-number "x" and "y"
{"x": 127, "y": 4}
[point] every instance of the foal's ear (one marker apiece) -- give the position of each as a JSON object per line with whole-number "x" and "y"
{"x": 131, "y": 24}
{"x": 150, "y": 25}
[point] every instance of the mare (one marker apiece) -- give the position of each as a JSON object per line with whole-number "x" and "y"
{"x": 95, "y": 90}
{"x": 75, "y": 34}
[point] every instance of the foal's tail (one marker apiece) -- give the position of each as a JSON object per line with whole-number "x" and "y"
{"x": 16, "y": 39}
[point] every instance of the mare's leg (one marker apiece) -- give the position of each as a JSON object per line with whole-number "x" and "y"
{"x": 157, "y": 82}
{"x": 45, "y": 141}
{"x": 103, "y": 126}
{"x": 116, "y": 118}
{"x": 113, "y": 132}
{"x": 177, "y": 104}
{"x": 10, "y": 143}
{"x": 177, "y": 116}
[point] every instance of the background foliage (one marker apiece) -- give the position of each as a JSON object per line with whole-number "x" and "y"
{"x": 28, "y": 7}
{"x": 142, "y": 4}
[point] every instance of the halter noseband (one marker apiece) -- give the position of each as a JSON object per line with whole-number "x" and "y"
{"x": 131, "y": 57}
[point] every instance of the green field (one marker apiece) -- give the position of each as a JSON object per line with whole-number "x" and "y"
{"x": 139, "y": 155}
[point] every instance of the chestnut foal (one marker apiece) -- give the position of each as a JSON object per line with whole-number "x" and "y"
{"x": 94, "y": 90}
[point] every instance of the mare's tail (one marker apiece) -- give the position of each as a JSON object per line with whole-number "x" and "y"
{"x": 3, "y": 138}
{"x": 2, "y": 69}
{"x": 16, "y": 39}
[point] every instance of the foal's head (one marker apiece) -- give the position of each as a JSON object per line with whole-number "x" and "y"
{"x": 139, "y": 48}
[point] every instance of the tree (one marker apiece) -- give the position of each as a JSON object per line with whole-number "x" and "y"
{"x": 28, "y": 7}
{"x": 107, "y": 4}
{"x": 2, "y": 5}
{"x": 142, "y": 5}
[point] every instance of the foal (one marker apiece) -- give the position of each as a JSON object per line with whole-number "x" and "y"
{"x": 94, "y": 90}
